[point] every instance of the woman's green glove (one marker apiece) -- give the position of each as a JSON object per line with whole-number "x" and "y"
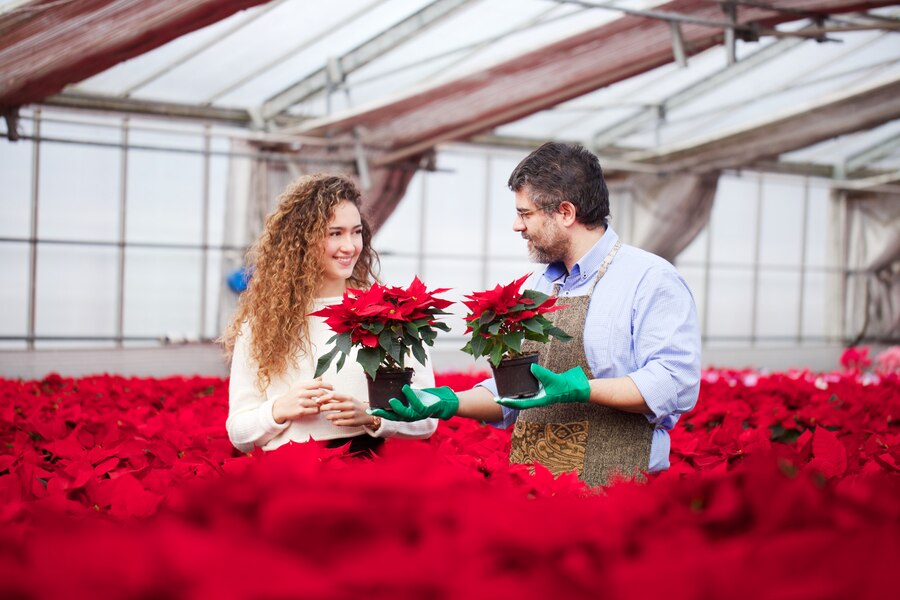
{"x": 423, "y": 404}
{"x": 571, "y": 386}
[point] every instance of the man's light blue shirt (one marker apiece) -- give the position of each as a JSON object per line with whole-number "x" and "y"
{"x": 641, "y": 322}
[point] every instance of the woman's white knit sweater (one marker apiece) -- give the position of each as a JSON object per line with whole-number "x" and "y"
{"x": 250, "y": 422}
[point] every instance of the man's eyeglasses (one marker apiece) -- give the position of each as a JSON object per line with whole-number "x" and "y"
{"x": 521, "y": 214}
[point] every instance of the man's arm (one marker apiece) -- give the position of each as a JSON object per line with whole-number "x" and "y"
{"x": 667, "y": 346}
{"x": 443, "y": 403}
{"x": 478, "y": 403}
{"x": 620, "y": 393}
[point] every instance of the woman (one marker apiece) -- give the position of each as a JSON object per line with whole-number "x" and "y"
{"x": 313, "y": 247}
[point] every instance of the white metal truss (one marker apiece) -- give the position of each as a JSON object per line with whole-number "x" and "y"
{"x": 362, "y": 55}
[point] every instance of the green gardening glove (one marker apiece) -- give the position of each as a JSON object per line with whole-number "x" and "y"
{"x": 431, "y": 402}
{"x": 571, "y": 386}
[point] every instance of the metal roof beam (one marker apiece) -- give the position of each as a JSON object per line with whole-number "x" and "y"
{"x": 362, "y": 55}
{"x": 650, "y": 114}
{"x": 878, "y": 183}
{"x": 661, "y": 15}
{"x": 98, "y": 102}
{"x": 153, "y": 76}
{"x": 319, "y": 36}
{"x": 534, "y": 81}
{"x": 45, "y": 46}
{"x": 871, "y": 154}
{"x": 848, "y": 112}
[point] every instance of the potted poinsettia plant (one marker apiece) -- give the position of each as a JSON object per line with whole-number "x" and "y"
{"x": 499, "y": 321}
{"x": 386, "y": 325}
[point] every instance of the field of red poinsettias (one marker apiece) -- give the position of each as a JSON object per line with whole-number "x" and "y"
{"x": 782, "y": 485}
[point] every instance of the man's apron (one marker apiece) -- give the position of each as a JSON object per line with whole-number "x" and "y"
{"x": 596, "y": 441}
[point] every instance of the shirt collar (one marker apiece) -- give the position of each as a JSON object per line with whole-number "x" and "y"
{"x": 587, "y": 265}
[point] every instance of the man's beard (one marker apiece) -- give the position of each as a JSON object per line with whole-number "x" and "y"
{"x": 551, "y": 245}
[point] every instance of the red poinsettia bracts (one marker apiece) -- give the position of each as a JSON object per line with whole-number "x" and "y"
{"x": 781, "y": 484}
{"x": 386, "y": 323}
{"x": 502, "y": 318}
{"x": 856, "y": 358}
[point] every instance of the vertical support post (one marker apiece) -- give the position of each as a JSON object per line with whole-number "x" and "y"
{"x": 362, "y": 165}
{"x": 839, "y": 262}
{"x": 707, "y": 260}
{"x": 730, "y": 38}
{"x": 261, "y": 206}
{"x": 204, "y": 231}
{"x": 423, "y": 222}
{"x": 756, "y": 252}
{"x": 123, "y": 226}
{"x": 804, "y": 233}
{"x": 33, "y": 230}
{"x": 334, "y": 76}
{"x": 678, "y": 49}
{"x": 485, "y": 221}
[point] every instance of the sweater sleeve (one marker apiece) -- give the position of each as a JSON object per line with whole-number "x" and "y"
{"x": 423, "y": 377}
{"x": 250, "y": 422}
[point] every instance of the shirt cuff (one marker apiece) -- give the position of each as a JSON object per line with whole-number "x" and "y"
{"x": 659, "y": 451}
{"x": 267, "y": 420}
{"x": 509, "y": 414}
{"x": 490, "y": 385}
{"x": 658, "y": 390}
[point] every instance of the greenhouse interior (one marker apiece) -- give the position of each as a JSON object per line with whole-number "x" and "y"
{"x": 147, "y": 144}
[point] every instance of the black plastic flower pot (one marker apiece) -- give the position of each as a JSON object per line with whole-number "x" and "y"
{"x": 514, "y": 378}
{"x": 388, "y": 383}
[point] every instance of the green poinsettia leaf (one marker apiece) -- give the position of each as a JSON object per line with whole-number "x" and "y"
{"x": 486, "y": 317}
{"x": 559, "y": 334}
{"x": 514, "y": 340}
{"x": 538, "y": 297}
{"x": 496, "y": 355}
{"x": 343, "y": 343}
{"x": 533, "y": 325}
{"x": 370, "y": 359}
{"x": 325, "y": 361}
{"x": 477, "y": 346}
{"x": 419, "y": 353}
{"x": 389, "y": 342}
{"x": 340, "y": 362}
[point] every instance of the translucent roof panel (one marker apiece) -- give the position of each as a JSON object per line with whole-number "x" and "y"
{"x": 305, "y": 34}
{"x": 246, "y": 59}
{"x": 839, "y": 151}
{"x": 798, "y": 76}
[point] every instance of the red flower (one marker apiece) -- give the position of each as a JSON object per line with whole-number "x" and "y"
{"x": 387, "y": 322}
{"x": 115, "y": 487}
{"x": 502, "y": 318}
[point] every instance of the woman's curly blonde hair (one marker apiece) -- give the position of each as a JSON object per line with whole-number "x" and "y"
{"x": 287, "y": 269}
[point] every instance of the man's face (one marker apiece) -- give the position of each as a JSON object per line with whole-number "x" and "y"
{"x": 547, "y": 241}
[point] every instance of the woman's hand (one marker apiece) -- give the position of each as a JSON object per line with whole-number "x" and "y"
{"x": 346, "y": 411}
{"x": 301, "y": 400}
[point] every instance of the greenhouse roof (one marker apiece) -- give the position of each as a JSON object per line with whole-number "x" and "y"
{"x": 686, "y": 84}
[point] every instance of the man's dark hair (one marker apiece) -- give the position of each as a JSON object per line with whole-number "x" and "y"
{"x": 556, "y": 172}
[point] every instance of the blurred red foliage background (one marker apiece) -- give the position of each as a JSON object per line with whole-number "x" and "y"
{"x": 781, "y": 485}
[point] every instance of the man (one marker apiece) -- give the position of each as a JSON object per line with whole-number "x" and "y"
{"x": 611, "y": 395}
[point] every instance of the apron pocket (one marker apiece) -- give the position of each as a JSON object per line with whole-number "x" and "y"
{"x": 560, "y": 447}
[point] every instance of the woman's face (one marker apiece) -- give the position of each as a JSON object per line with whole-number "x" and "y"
{"x": 341, "y": 248}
